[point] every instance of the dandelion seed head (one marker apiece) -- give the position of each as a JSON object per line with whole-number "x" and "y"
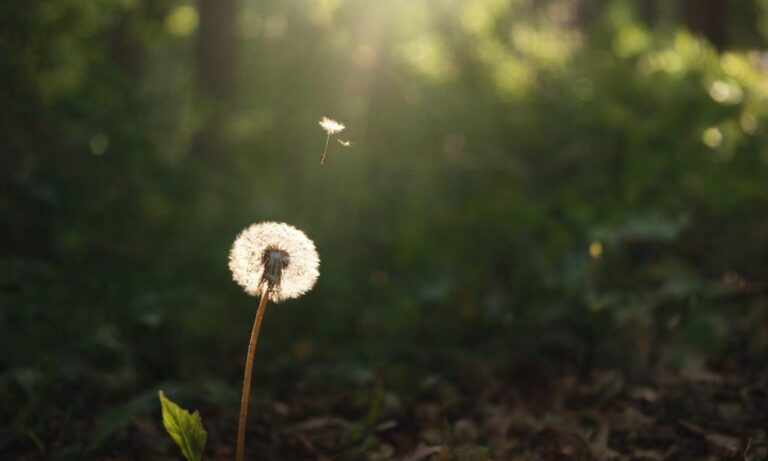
{"x": 274, "y": 256}
{"x": 331, "y": 126}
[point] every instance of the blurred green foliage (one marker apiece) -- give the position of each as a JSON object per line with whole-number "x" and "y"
{"x": 521, "y": 180}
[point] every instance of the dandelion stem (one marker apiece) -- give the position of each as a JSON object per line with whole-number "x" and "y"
{"x": 247, "y": 379}
{"x": 325, "y": 150}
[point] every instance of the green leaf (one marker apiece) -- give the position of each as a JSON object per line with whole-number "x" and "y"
{"x": 185, "y": 428}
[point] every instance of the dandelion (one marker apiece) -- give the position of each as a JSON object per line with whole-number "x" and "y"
{"x": 344, "y": 143}
{"x": 331, "y": 127}
{"x": 275, "y": 261}
{"x": 274, "y": 258}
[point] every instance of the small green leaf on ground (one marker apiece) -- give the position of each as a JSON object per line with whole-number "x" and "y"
{"x": 185, "y": 428}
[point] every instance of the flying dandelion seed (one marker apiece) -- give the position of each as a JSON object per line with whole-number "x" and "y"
{"x": 277, "y": 262}
{"x": 344, "y": 143}
{"x": 331, "y": 127}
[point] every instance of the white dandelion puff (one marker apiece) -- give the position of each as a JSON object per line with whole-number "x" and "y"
{"x": 345, "y": 143}
{"x": 331, "y": 126}
{"x": 276, "y": 257}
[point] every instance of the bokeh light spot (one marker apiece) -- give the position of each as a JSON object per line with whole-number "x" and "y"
{"x": 748, "y": 123}
{"x": 712, "y": 137}
{"x": 98, "y": 144}
{"x": 596, "y": 249}
{"x": 725, "y": 92}
{"x": 182, "y": 21}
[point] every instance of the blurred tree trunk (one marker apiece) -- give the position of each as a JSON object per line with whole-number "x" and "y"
{"x": 125, "y": 50}
{"x": 589, "y": 12}
{"x": 128, "y": 41}
{"x": 708, "y": 18}
{"x": 217, "y": 50}
{"x": 649, "y": 11}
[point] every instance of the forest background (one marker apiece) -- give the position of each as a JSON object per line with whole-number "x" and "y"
{"x": 559, "y": 185}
